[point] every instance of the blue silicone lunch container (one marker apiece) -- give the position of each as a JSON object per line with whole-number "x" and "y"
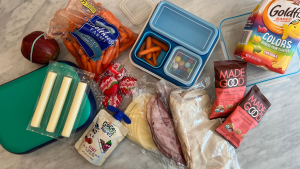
{"x": 179, "y": 30}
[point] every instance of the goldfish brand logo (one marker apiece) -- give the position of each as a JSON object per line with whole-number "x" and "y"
{"x": 108, "y": 129}
{"x": 281, "y": 17}
{"x": 278, "y": 11}
{"x": 255, "y": 108}
{"x": 232, "y": 78}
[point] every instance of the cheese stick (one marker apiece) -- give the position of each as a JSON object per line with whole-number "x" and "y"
{"x": 42, "y": 103}
{"x": 59, "y": 104}
{"x": 74, "y": 109}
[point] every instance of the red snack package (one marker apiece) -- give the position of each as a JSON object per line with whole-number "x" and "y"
{"x": 245, "y": 117}
{"x": 116, "y": 70}
{"x": 109, "y": 86}
{"x": 114, "y": 100}
{"x": 128, "y": 86}
{"x": 230, "y": 86}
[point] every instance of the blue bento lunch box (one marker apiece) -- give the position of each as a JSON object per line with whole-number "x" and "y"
{"x": 190, "y": 42}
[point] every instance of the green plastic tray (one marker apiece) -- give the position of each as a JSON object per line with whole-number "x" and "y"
{"x": 17, "y": 103}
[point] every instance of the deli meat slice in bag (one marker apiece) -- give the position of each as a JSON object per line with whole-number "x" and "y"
{"x": 163, "y": 130}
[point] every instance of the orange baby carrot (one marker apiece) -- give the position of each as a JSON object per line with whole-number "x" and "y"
{"x": 79, "y": 62}
{"x": 157, "y": 54}
{"x": 148, "y": 45}
{"x": 128, "y": 44}
{"x": 158, "y": 43}
{"x": 84, "y": 61}
{"x": 122, "y": 33}
{"x": 153, "y": 53}
{"x": 128, "y": 31}
{"x": 117, "y": 54}
{"x": 141, "y": 48}
{"x": 148, "y": 61}
{"x": 106, "y": 14}
{"x": 94, "y": 66}
{"x": 108, "y": 53}
{"x": 99, "y": 66}
{"x": 154, "y": 58}
{"x": 148, "y": 42}
{"x": 71, "y": 49}
{"x": 89, "y": 67}
{"x": 117, "y": 47}
{"x": 150, "y": 50}
{"x": 111, "y": 56}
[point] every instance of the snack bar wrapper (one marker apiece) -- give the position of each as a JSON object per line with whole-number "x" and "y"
{"x": 271, "y": 35}
{"x": 230, "y": 86}
{"x": 246, "y": 116}
{"x": 91, "y": 33}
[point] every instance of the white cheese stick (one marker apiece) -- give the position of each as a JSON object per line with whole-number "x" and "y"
{"x": 59, "y": 104}
{"x": 74, "y": 109}
{"x": 40, "y": 108}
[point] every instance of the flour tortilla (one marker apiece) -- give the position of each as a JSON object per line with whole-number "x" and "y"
{"x": 201, "y": 145}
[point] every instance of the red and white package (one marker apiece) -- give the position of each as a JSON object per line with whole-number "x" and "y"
{"x": 109, "y": 85}
{"x": 230, "y": 86}
{"x": 114, "y": 100}
{"x": 128, "y": 86}
{"x": 116, "y": 70}
{"x": 246, "y": 116}
{"x": 117, "y": 85}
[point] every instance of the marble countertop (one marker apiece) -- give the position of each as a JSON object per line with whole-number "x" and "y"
{"x": 274, "y": 143}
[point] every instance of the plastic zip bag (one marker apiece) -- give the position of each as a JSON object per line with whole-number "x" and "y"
{"x": 201, "y": 145}
{"x": 84, "y": 26}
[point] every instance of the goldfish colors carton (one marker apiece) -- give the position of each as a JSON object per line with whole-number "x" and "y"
{"x": 271, "y": 35}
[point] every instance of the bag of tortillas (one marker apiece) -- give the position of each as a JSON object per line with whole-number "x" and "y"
{"x": 202, "y": 146}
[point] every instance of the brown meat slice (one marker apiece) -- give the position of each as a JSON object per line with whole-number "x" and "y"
{"x": 163, "y": 130}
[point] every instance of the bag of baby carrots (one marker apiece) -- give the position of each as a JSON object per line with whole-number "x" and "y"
{"x": 91, "y": 33}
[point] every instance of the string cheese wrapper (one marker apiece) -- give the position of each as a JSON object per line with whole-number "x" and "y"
{"x": 74, "y": 109}
{"x": 59, "y": 104}
{"x": 42, "y": 103}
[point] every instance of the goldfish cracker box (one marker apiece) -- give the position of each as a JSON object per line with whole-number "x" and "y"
{"x": 271, "y": 35}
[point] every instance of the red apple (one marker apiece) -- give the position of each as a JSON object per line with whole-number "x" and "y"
{"x": 44, "y": 50}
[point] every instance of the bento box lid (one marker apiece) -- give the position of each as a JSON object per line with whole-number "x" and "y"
{"x": 184, "y": 28}
{"x": 137, "y": 10}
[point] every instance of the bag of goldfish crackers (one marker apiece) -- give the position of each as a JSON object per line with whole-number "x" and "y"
{"x": 271, "y": 35}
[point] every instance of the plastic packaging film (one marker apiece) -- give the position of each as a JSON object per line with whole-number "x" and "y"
{"x": 74, "y": 109}
{"x": 43, "y": 100}
{"x": 71, "y": 85}
{"x": 59, "y": 103}
{"x": 74, "y": 22}
{"x": 202, "y": 146}
{"x": 124, "y": 83}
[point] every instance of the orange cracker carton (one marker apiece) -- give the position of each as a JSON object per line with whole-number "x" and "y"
{"x": 271, "y": 35}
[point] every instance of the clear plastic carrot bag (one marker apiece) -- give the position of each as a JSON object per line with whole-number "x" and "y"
{"x": 91, "y": 33}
